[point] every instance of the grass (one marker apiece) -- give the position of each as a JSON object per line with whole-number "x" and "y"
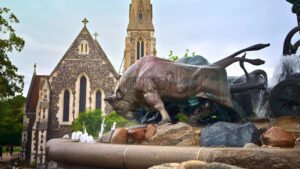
{"x": 16, "y": 149}
{"x": 27, "y": 165}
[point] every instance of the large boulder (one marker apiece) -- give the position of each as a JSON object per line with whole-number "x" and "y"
{"x": 179, "y": 134}
{"x": 194, "y": 164}
{"x": 278, "y": 137}
{"x": 229, "y": 135}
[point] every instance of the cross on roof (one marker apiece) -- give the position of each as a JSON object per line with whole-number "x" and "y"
{"x": 85, "y": 21}
{"x": 96, "y": 34}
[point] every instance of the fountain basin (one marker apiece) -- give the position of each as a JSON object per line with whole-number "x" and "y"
{"x": 70, "y": 154}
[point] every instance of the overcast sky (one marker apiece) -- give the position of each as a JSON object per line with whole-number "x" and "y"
{"x": 213, "y": 29}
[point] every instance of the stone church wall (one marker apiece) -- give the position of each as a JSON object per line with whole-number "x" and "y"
{"x": 93, "y": 66}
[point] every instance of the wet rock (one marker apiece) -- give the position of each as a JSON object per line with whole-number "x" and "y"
{"x": 194, "y": 164}
{"x": 151, "y": 130}
{"x": 137, "y": 134}
{"x": 106, "y": 137}
{"x": 251, "y": 145}
{"x": 229, "y": 135}
{"x": 119, "y": 136}
{"x": 278, "y": 137}
{"x": 179, "y": 134}
{"x": 290, "y": 124}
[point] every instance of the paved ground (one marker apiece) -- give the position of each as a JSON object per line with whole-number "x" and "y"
{"x": 6, "y": 158}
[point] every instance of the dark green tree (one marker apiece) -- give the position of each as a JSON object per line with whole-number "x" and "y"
{"x": 11, "y": 120}
{"x": 10, "y": 82}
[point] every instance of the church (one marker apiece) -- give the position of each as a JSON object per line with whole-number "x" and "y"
{"x": 80, "y": 82}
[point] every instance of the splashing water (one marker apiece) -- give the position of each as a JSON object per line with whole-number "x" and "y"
{"x": 102, "y": 127}
{"x": 113, "y": 126}
{"x": 288, "y": 64}
{"x": 82, "y": 137}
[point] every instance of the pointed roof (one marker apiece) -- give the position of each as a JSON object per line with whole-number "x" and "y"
{"x": 84, "y": 29}
{"x": 143, "y": 8}
{"x": 33, "y": 93}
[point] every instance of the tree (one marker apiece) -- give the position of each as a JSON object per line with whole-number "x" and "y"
{"x": 174, "y": 58}
{"x": 120, "y": 121}
{"x": 10, "y": 82}
{"x": 92, "y": 121}
{"x": 11, "y": 120}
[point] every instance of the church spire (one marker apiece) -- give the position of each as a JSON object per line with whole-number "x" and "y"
{"x": 34, "y": 69}
{"x": 140, "y": 15}
{"x": 140, "y": 41}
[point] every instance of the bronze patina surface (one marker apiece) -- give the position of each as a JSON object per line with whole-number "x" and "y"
{"x": 150, "y": 80}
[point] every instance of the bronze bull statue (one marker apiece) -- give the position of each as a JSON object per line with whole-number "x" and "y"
{"x": 150, "y": 80}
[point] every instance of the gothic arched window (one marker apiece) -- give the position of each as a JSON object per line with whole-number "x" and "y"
{"x": 140, "y": 47}
{"x": 66, "y": 106}
{"x": 98, "y": 100}
{"x": 140, "y": 16}
{"x": 82, "y": 94}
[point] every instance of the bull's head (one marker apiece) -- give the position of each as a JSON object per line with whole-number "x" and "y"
{"x": 121, "y": 104}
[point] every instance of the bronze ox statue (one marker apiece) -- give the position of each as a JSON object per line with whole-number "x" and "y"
{"x": 152, "y": 79}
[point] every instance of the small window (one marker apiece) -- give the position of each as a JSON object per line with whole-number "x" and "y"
{"x": 140, "y": 17}
{"x": 138, "y": 50}
{"x": 83, "y": 48}
{"x": 66, "y": 106}
{"x": 98, "y": 100}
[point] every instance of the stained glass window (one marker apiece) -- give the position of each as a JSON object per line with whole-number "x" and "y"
{"x": 82, "y": 94}
{"x": 66, "y": 106}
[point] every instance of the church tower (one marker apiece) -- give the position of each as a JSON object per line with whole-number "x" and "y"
{"x": 140, "y": 40}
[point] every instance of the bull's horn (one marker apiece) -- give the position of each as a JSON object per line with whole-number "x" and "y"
{"x": 109, "y": 98}
{"x": 251, "y": 48}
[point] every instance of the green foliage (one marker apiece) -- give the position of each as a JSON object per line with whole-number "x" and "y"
{"x": 11, "y": 120}
{"x": 174, "y": 58}
{"x": 182, "y": 117}
{"x": 115, "y": 117}
{"x": 91, "y": 120}
{"x": 10, "y": 82}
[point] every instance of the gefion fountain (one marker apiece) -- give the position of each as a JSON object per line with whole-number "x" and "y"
{"x": 215, "y": 130}
{"x": 190, "y": 110}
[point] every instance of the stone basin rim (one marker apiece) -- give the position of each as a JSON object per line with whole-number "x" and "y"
{"x": 100, "y": 155}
